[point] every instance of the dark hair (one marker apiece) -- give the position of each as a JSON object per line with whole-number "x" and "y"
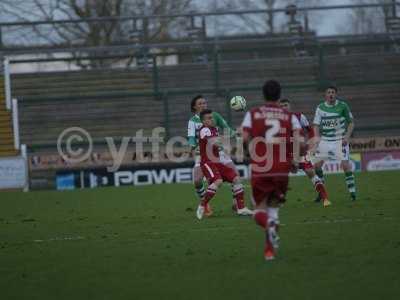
{"x": 205, "y": 112}
{"x": 284, "y": 100}
{"x": 272, "y": 90}
{"x": 332, "y": 87}
{"x": 193, "y": 102}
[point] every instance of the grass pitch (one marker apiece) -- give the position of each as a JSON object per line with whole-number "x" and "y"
{"x": 145, "y": 243}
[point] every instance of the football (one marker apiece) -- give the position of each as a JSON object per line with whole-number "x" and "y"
{"x": 238, "y": 103}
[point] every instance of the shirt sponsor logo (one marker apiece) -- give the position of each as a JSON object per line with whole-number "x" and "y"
{"x": 330, "y": 123}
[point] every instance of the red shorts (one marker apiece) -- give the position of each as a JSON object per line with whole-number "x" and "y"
{"x": 268, "y": 187}
{"x": 214, "y": 171}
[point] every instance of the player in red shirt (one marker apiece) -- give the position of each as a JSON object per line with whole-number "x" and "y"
{"x": 213, "y": 169}
{"x": 268, "y": 132}
{"x": 305, "y": 163}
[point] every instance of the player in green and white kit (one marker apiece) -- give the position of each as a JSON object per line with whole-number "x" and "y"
{"x": 197, "y": 105}
{"x": 333, "y": 123}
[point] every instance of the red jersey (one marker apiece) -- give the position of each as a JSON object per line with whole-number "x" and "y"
{"x": 270, "y": 127}
{"x": 208, "y": 152}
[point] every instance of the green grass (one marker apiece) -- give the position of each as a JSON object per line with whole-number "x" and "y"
{"x": 145, "y": 243}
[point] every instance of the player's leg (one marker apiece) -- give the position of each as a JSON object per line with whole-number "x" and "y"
{"x": 271, "y": 233}
{"x": 227, "y": 161}
{"x": 276, "y": 199}
{"x": 350, "y": 180}
{"x": 319, "y": 185}
{"x": 238, "y": 193}
{"x": 318, "y": 157}
{"x": 231, "y": 165}
{"x": 239, "y": 205}
{"x": 320, "y": 174}
{"x": 214, "y": 178}
{"x": 198, "y": 181}
{"x": 262, "y": 190}
{"x": 200, "y": 187}
{"x": 348, "y": 172}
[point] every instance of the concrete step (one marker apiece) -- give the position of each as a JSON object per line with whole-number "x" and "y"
{"x": 8, "y": 152}
{"x": 6, "y": 129}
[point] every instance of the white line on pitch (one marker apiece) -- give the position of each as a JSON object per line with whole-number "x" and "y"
{"x": 68, "y": 238}
{"x": 208, "y": 229}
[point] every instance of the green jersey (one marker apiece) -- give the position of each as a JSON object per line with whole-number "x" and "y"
{"x": 333, "y": 120}
{"x": 195, "y": 124}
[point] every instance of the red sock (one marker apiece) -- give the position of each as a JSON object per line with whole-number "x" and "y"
{"x": 209, "y": 194}
{"x": 320, "y": 188}
{"x": 238, "y": 194}
{"x": 240, "y": 200}
{"x": 261, "y": 218}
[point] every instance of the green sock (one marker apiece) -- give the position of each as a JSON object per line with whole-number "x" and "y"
{"x": 350, "y": 181}
{"x": 320, "y": 173}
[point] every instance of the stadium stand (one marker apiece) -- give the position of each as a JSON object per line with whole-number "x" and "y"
{"x": 97, "y": 101}
{"x": 375, "y": 107}
{"x": 363, "y": 67}
{"x": 6, "y": 130}
{"x": 100, "y": 101}
{"x": 80, "y": 83}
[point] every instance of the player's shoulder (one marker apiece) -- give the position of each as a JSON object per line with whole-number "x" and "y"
{"x": 257, "y": 109}
{"x": 343, "y": 103}
{"x": 297, "y": 114}
{"x": 216, "y": 115}
{"x": 194, "y": 119}
{"x": 321, "y": 105}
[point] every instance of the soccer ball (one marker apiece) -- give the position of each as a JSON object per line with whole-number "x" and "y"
{"x": 238, "y": 103}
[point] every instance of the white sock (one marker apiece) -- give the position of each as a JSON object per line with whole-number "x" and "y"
{"x": 273, "y": 214}
{"x": 316, "y": 180}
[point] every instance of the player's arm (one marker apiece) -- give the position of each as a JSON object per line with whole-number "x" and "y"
{"x": 350, "y": 129}
{"x": 246, "y": 128}
{"x": 306, "y": 126}
{"x": 350, "y": 125}
{"x": 221, "y": 123}
{"x": 316, "y": 123}
{"x": 192, "y": 137}
{"x": 298, "y": 140}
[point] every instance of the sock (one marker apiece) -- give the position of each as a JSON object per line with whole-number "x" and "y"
{"x": 350, "y": 181}
{"x": 211, "y": 191}
{"x": 238, "y": 194}
{"x": 320, "y": 174}
{"x": 273, "y": 215}
{"x": 320, "y": 187}
{"x": 201, "y": 191}
{"x": 261, "y": 217}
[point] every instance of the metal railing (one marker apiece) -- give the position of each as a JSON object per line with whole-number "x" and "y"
{"x": 214, "y": 57}
{"x": 136, "y": 29}
{"x": 7, "y": 82}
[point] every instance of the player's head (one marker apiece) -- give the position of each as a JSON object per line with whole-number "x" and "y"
{"x": 272, "y": 90}
{"x": 330, "y": 94}
{"x": 285, "y": 103}
{"x": 206, "y": 117}
{"x": 198, "y": 104}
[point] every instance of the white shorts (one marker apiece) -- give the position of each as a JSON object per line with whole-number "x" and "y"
{"x": 331, "y": 150}
{"x": 225, "y": 159}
